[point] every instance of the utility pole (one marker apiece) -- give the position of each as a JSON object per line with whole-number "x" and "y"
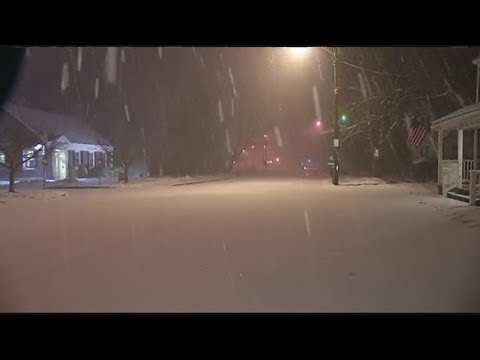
{"x": 264, "y": 151}
{"x": 144, "y": 151}
{"x": 336, "y": 140}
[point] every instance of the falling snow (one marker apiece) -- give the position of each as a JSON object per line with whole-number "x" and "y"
{"x": 111, "y": 60}
{"x": 97, "y": 87}
{"x": 278, "y": 136}
{"x": 368, "y": 85}
{"x": 233, "y": 107}
{"x": 220, "y": 111}
{"x": 160, "y": 52}
{"x": 449, "y": 87}
{"x": 65, "y": 78}
{"x": 123, "y": 59}
{"x": 201, "y": 61}
{"x": 194, "y": 51}
{"x": 233, "y": 83}
{"x": 307, "y": 222}
{"x": 79, "y": 59}
{"x": 446, "y": 64}
{"x": 362, "y": 86}
{"x": 460, "y": 99}
{"x": 320, "y": 72}
{"x": 227, "y": 141}
{"x": 379, "y": 89}
{"x": 316, "y": 102}
{"x": 127, "y": 113}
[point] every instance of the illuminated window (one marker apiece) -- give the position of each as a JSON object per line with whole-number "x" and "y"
{"x": 29, "y": 161}
{"x": 2, "y": 157}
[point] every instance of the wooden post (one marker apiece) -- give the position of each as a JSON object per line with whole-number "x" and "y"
{"x": 473, "y": 187}
{"x": 460, "y": 158}
{"x": 475, "y": 149}
{"x": 439, "y": 159}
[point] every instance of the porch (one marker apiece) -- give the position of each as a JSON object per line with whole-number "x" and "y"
{"x": 458, "y": 154}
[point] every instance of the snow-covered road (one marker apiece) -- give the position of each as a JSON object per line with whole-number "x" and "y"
{"x": 251, "y": 245}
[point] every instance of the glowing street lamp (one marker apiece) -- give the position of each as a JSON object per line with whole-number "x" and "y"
{"x": 318, "y": 123}
{"x": 298, "y": 52}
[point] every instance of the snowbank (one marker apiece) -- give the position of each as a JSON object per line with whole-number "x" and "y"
{"x": 6, "y": 197}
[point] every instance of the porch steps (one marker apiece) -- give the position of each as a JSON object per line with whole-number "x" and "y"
{"x": 461, "y": 195}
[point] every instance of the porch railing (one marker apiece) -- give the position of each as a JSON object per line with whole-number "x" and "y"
{"x": 467, "y": 166}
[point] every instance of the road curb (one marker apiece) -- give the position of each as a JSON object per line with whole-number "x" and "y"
{"x": 79, "y": 187}
{"x": 193, "y": 182}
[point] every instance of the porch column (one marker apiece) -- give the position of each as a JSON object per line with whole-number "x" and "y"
{"x": 460, "y": 158}
{"x": 475, "y": 149}
{"x": 439, "y": 160}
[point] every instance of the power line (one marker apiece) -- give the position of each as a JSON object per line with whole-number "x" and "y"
{"x": 372, "y": 71}
{"x": 363, "y": 68}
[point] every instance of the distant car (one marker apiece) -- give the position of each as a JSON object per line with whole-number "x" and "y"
{"x": 310, "y": 167}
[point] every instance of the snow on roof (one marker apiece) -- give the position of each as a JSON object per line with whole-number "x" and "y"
{"x": 469, "y": 113}
{"x": 40, "y": 122}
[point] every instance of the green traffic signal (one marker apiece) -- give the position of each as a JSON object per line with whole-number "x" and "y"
{"x": 344, "y": 118}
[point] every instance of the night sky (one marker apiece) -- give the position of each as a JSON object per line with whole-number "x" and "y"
{"x": 174, "y": 94}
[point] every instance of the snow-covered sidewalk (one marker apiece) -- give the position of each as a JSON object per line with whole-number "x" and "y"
{"x": 347, "y": 180}
{"x": 32, "y": 194}
{"x": 457, "y": 211}
{"x": 109, "y": 182}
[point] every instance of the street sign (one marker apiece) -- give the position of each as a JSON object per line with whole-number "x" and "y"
{"x": 335, "y": 143}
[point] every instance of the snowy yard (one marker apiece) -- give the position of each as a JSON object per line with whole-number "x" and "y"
{"x": 239, "y": 245}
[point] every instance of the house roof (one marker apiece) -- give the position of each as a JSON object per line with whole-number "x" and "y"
{"x": 41, "y": 122}
{"x": 464, "y": 118}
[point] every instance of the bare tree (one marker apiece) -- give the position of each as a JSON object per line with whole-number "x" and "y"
{"x": 14, "y": 140}
{"x": 123, "y": 147}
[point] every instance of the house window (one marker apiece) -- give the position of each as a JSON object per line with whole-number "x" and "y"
{"x": 29, "y": 161}
{"x": 77, "y": 159}
{"x": 109, "y": 160}
{"x": 2, "y": 157}
{"x": 90, "y": 160}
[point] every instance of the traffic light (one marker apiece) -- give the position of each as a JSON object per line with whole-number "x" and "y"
{"x": 344, "y": 118}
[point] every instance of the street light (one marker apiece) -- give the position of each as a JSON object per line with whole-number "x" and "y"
{"x": 318, "y": 124}
{"x": 298, "y": 52}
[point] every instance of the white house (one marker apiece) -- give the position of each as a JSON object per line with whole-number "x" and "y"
{"x": 77, "y": 150}
{"x": 463, "y": 124}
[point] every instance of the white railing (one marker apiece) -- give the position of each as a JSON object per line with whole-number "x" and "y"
{"x": 467, "y": 166}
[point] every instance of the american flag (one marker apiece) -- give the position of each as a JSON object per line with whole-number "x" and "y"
{"x": 416, "y": 134}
